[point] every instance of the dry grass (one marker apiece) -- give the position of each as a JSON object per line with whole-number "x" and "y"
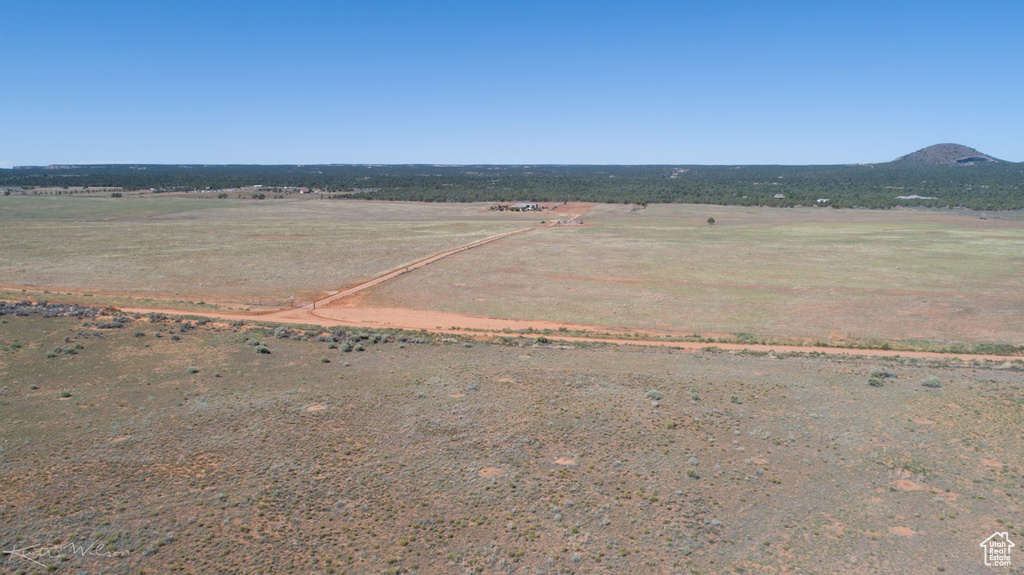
{"x": 225, "y": 250}
{"x": 446, "y": 459}
{"x": 772, "y": 272}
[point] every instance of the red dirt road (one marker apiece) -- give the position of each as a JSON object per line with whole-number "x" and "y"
{"x": 571, "y": 210}
{"x": 483, "y": 328}
{"x": 331, "y": 312}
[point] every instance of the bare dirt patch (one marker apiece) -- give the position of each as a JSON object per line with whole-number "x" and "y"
{"x": 490, "y": 472}
{"x": 316, "y": 407}
{"x": 908, "y": 485}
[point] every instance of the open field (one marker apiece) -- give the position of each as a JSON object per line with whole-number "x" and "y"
{"x": 809, "y": 273}
{"x": 226, "y": 250}
{"x": 197, "y": 455}
{"x": 916, "y": 279}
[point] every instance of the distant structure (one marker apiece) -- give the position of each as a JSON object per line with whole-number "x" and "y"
{"x": 518, "y": 207}
{"x": 780, "y": 196}
{"x": 916, "y": 197}
{"x": 822, "y": 200}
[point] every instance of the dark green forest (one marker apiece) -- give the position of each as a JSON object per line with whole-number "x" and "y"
{"x": 988, "y": 186}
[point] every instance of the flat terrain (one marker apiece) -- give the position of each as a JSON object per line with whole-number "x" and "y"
{"x": 226, "y": 251}
{"x": 196, "y": 455}
{"x": 810, "y": 273}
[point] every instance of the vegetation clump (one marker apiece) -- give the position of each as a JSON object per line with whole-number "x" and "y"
{"x": 63, "y": 350}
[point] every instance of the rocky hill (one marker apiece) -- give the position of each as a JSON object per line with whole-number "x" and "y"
{"x": 946, "y": 155}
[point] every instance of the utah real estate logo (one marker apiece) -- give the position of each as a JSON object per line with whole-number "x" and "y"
{"x": 997, "y": 549}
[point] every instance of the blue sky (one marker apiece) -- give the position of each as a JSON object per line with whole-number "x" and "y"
{"x": 743, "y": 82}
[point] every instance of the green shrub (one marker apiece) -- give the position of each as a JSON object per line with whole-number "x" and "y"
{"x": 654, "y": 394}
{"x": 875, "y": 382}
{"x": 931, "y": 381}
{"x": 261, "y": 349}
{"x": 63, "y": 350}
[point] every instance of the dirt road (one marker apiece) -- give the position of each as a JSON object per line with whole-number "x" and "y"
{"x": 331, "y": 311}
{"x": 485, "y": 329}
{"x": 572, "y": 212}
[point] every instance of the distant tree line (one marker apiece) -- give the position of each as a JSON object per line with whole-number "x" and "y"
{"x": 995, "y": 186}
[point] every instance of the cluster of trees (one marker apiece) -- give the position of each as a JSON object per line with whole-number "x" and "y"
{"x": 991, "y": 186}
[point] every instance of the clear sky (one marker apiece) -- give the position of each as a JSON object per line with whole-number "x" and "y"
{"x": 730, "y": 82}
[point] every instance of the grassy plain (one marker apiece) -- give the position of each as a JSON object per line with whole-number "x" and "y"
{"x": 811, "y": 273}
{"x": 196, "y": 455}
{"x": 237, "y": 251}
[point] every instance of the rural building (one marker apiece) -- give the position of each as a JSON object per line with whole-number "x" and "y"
{"x": 780, "y": 196}
{"x": 524, "y": 206}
